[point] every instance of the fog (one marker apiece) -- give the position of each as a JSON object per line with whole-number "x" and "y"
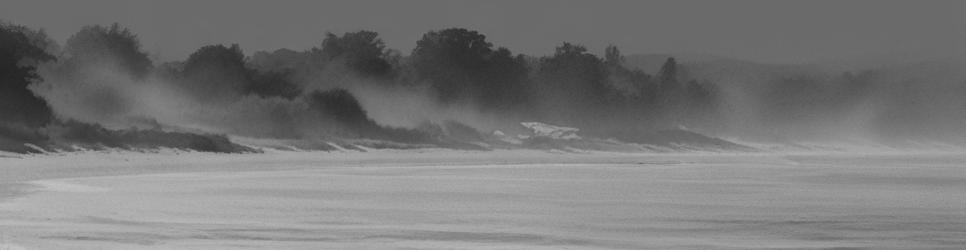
{"x": 466, "y": 125}
{"x": 352, "y": 89}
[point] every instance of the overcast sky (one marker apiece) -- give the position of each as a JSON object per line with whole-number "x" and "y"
{"x": 761, "y": 30}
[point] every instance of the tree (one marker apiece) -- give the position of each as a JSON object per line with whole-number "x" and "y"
{"x": 346, "y": 117}
{"x": 219, "y": 73}
{"x": 216, "y": 72}
{"x": 272, "y": 84}
{"x": 278, "y": 60}
{"x": 19, "y": 56}
{"x": 578, "y": 75}
{"x": 668, "y": 74}
{"x": 449, "y": 60}
{"x": 114, "y": 45}
{"x": 612, "y": 56}
{"x": 503, "y": 85}
{"x": 464, "y": 48}
{"x": 629, "y": 84}
{"x": 362, "y": 51}
{"x": 460, "y": 65}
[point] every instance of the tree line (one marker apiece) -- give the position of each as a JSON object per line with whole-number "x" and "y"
{"x": 457, "y": 66}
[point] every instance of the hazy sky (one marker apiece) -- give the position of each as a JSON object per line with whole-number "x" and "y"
{"x": 761, "y": 30}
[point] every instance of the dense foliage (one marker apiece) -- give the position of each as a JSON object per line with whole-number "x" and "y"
{"x": 349, "y": 84}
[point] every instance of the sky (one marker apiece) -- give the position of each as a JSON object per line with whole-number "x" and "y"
{"x": 771, "y": 31}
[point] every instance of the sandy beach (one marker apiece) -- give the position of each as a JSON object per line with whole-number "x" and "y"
{"x": 482, "y": 200}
